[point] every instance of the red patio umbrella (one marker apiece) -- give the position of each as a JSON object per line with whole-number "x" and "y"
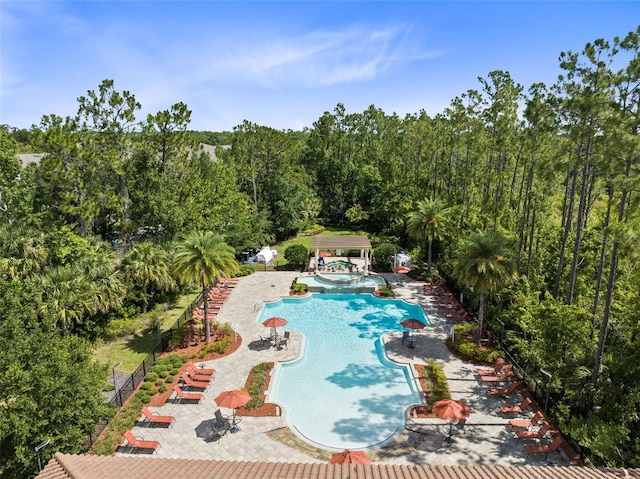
{"x": 232, "y": 400}
{"x": 274, "y": 322}
{"x": 350, "y": 457}
{"x": 451, "y": 410}
{"x": 412, "y": 323}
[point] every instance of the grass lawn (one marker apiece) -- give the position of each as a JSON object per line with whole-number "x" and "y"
{"x": 132, "y": 350}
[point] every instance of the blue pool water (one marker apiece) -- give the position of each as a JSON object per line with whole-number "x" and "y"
{"x": 343, "y": 392}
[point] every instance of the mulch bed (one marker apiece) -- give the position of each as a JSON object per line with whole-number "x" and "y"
{"x": 191, "y": 351}
{"x": 266, "y": 410}
{"x": 423, "y": 411}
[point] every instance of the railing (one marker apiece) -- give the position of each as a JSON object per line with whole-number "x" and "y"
{"x": 130, "y": 384}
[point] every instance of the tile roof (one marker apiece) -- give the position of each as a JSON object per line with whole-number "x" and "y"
{"x": 70, "y": 466}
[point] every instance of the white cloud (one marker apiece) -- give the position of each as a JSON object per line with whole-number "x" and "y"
{"x": 318, "y": 58}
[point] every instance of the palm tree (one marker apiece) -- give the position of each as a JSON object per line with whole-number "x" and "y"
{"x": 203, "y": 257}
{"x": 144, "y": 265}
{"x": 485, "y": 264}
{"x": 66, "y": 297}
{"x": 431, "y": 221}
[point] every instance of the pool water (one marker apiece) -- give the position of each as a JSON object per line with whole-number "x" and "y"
{"x": 343, "y": 392}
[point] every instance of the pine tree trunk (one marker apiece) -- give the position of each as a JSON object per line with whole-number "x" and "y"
{"x": 580, "y": 223}
{"x": 567, "y": 230}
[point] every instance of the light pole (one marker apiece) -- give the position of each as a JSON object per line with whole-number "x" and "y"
{"x": 113, "y": 373}
{"x": 549, "y": 376}
{"x": 38, "y": 448}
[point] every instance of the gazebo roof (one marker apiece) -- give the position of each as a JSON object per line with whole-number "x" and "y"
{"x": 340, "y": 242}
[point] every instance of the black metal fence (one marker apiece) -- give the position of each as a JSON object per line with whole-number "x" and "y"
{"x": 125, "y": 389}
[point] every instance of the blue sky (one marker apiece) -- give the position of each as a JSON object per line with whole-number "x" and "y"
{"x": 283, "y": 64}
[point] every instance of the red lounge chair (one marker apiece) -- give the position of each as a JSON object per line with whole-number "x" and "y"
{"x": 151, "y": 418}
{"x": 519, "y": 408}
{"x": 193, "y": 374}
{"x": 534, "y": 434}
{"x": 187, "y": 396}
{"x": 139, "y": 444}
{"x": 527, "y": 422}
{"x": 505, "y": 391}
{"x": 495, "y": 370}
{"x": 201, "y": 371}
{"x": 496, "y": 379}
{"x": 193, "y": 384}
{"x": 544, "y": 448}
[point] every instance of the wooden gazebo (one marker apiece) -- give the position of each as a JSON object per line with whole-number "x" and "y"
{"x": 340, "y": 242}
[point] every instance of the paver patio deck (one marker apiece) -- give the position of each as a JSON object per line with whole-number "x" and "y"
{"x": 487, "y": 437}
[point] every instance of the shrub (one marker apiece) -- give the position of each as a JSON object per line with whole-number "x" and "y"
{"x": 175, "y": 371}
{"x": 385, "y": 291}
{"x": 469, "y": 348}
{"x": 145, "y": 386}
{"x": 313, "y": 230}
{"x": 163, "y": 374}
{"x": 215, "y": 347}
{"x": 296, "y": 254}
{"x": 383, "y": 256}
{"x": 163, "y": 388}
{"x": 257, "y": 385}
{"x": 176, "y": 337}
{"x": 159, "y": 382}
{"x": 436, "y": 381}
{"x": 169, "y": 380}
{"x": 151, "y": 377}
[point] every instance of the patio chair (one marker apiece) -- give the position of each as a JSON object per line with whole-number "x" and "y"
{"x": 526, "y": 402}
{"x": 151, "y": 418}
{"x": 139, "y": 445}
{"x": 185, "y": 396}
{"x": 196, "y": 376}
{"x": 505, "y": 391}
{"x": 458, "y": 428}
{"x": 193, "y": 384}
{"x": 542, "y": 430}
{"x": 222, "y": 424}
{"x": 201, "y": 371}
{"x": 494, "y": 370}
{"x": 496, "y": 379}
{"x": 405, "y": 337}
{"x": 544, "y": 448}
{"x": 284, "y": 341}
{"x": 527, "y": 422}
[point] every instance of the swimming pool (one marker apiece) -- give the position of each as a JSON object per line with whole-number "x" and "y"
{"x": 343, "y": 392}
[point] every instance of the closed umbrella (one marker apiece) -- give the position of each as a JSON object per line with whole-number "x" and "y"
{"x": 450, "y": 410}
{"x": 232, "y": 400}
{"x": 401, "y": 269}
{"x": 350, "y": 457}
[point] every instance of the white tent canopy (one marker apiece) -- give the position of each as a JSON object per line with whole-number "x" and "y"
{"x": 265, "y": 255}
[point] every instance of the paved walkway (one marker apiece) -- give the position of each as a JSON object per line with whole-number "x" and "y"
{"x": 487, "y": 437}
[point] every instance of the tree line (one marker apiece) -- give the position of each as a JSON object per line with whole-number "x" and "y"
{"x": 544, "y": 180}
